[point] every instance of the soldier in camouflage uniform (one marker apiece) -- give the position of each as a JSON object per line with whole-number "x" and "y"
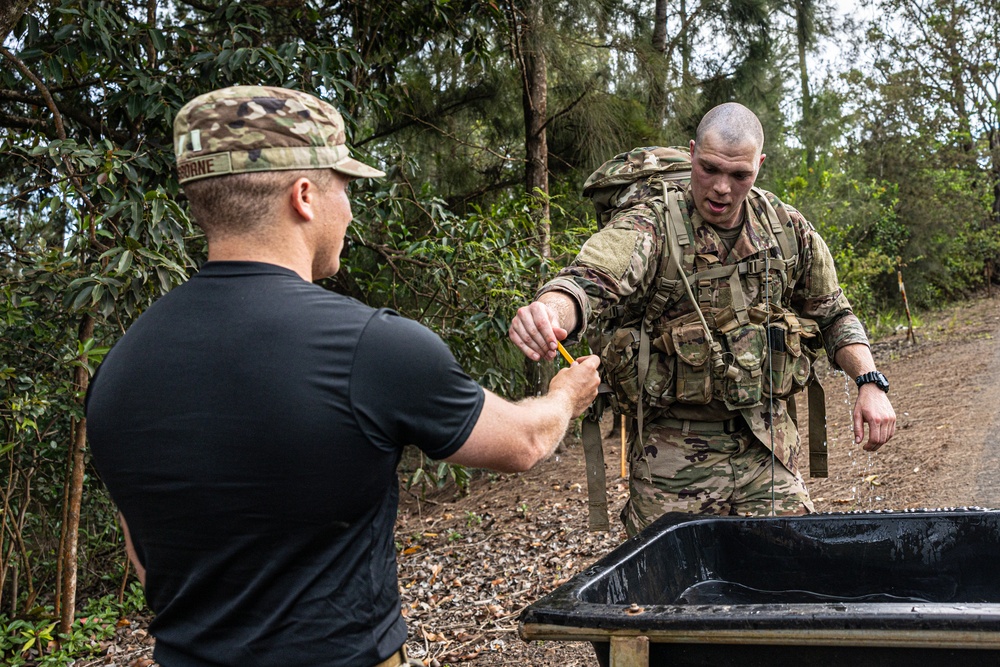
{"x": 714, "y": 440}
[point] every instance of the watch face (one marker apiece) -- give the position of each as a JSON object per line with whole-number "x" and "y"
{"x": 881, "y": 381}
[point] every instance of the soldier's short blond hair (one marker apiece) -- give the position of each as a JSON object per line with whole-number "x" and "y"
{"x": 245, "y": 203}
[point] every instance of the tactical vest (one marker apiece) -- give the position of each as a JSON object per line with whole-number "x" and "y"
{"x": 740, "y": 349}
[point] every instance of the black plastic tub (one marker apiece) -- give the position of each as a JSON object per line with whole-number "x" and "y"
{"x": 884, "y": 588}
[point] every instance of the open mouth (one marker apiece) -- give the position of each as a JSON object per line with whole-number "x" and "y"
{"x": 716, "y": 207}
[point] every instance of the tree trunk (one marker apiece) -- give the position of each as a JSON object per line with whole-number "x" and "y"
{"x": 68, "y": 550}
{"x": 10, "y": 14}
{"x": 660, "y": 67}
{"x": 685, "y": 45}
{"x": 67, "y": 483}
{"x": 7, "y": 544}
{"x": 535, "y": 101}
{"x": 534, "y": 75}
{"x": 952, "y": 39}
{"x": 803, "y": 33}
{"x": 994, "y": 134}
{"x": 660, "y": 26}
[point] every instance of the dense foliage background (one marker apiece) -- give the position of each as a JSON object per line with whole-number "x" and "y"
{"x": 488, "y": 116}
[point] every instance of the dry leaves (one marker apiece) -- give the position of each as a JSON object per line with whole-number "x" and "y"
{"x": 466, "y": 576}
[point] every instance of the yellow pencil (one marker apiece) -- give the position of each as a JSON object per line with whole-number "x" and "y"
{"x": 566, "y": 355}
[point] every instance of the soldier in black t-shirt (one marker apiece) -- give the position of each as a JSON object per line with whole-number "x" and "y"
{"x": 249, "y": 424}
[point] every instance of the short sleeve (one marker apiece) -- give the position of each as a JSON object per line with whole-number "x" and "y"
{"x": 407, "y": 388}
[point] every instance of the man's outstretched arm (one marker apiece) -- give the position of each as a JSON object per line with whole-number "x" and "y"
{"x": 513, "y": 437}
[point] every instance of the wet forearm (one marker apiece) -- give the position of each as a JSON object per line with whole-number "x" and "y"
{"x": 855, "y": 359}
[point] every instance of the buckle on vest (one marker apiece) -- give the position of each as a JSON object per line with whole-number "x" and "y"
{"x": 656, "y": 306}
{"x": 733, "y": 425}
{"x": 613, "y": 312}
{"x": 705, "y": 290}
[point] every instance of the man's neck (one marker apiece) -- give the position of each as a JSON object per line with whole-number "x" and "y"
{"x": 242, "y": 249}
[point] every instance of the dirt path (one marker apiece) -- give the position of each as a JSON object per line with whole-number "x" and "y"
{"x": 987, "y": 490}
{"x": 946, "y": 392}
{"x": 468, "y": 565}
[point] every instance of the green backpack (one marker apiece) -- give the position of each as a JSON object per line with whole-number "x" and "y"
{"x": 618, "y": 177}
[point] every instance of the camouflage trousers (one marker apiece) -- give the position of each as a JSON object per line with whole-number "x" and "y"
{"x": 709, "y": 472}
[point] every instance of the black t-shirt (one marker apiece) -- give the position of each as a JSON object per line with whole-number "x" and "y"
{"x": 248, "y": 426}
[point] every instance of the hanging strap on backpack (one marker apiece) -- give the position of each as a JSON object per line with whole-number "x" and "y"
{"x": 777, "y": 221}
{"x": 667, "y": 284}
{"x": 817, "y": 430}
{"x": 593, "y": 453}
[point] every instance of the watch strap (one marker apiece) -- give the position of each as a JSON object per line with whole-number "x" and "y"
{"x": 873, "y": 377}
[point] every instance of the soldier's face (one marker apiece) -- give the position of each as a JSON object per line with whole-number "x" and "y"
{"x": 721, "y": 177}
{"x": 336, "y": 209}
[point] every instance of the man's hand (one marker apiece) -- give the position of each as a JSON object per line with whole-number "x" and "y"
{"x": 535, "y": 330}
{"x": 873, "y": 408}
{"x": 579, "y": 382}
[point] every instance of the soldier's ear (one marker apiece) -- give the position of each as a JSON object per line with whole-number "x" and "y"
{"x": 302, "y": 197}
{"x": 762, "y": 156}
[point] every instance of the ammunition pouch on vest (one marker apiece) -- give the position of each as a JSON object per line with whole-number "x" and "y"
{"x": 740, "y": 365}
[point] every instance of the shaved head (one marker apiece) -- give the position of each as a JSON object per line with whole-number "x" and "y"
{"x": 733, "y": 124}
{"x": 725, "y": 159}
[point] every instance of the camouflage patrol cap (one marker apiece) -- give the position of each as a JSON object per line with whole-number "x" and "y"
{"x": 255, "y": 128}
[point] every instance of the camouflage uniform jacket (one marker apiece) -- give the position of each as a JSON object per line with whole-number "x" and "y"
{"x": 619, "y": 265}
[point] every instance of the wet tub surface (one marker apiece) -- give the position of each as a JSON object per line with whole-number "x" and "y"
{"x": 898, "y": 582}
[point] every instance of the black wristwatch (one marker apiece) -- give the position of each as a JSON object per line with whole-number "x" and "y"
{"x": 873, "y": 376}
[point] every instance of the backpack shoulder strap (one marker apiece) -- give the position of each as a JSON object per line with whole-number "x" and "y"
{"x": 593, "y": 451}
{"x": 777, "y": 219}
{"x": 675, "y": 246}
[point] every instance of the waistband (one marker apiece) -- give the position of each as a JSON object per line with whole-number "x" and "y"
{"x": 705, "y": 428}
{"x": 397, "y": 659}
